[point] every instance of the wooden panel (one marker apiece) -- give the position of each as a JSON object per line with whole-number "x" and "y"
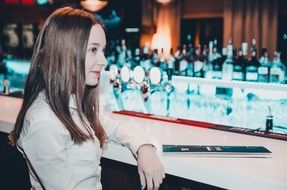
{"x": 14, "y": 172}
{"x": 122, "y": 176}
{"x": 202, "y": 9}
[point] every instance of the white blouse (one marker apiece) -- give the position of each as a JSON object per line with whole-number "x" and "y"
{"x": 58, "y": 161}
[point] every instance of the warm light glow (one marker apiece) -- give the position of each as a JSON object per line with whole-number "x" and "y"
{"x": 161, "y": 41}
{"x": 94, "y": 5}
{"x": 164, "y": 1}
{"x": 162, "y": 37}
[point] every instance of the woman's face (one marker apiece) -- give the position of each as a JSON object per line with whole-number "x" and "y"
{"x": 95, "y": 57}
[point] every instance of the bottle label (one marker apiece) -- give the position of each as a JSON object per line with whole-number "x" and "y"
{"x": 263, "y": 70}
{"x": 276, "y": 75}
{"x": 227, "y": 71}
{"x": 170, "y": 63}
{"x": 275, "y": 71}
{"x": 237, "y": 76}
{"x": 183, "y": 64}
{"x": 198, "y": 65}
{"x": 251, "y": 76}
{"x": 146, "y": 65}
{"x": 217, "y": 74}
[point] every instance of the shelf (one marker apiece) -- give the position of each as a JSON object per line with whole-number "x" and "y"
{"x": 231, "y": 84}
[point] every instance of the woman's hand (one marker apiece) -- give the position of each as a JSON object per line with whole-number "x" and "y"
{"x": 150, "y": 169}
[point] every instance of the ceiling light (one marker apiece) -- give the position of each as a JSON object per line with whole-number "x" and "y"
{"x": 93, "y": 5}
{"x": 164, "y": 1}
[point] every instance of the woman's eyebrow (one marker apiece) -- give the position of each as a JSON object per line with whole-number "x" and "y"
{"x": 96, "y": 44}
{"x": 93, "y": 43}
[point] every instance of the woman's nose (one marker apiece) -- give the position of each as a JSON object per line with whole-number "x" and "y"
{"x": 103, "y": 61}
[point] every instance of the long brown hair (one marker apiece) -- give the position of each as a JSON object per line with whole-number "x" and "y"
{"x": 58, "y": 69}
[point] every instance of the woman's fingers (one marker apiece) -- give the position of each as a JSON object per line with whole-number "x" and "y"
{"x": 142, "y": 178}
{"x": 149, "y": 182}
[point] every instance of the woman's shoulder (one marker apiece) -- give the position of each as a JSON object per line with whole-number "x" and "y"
{"x": 40, "y": 110}
{"x": 40, "y": 115}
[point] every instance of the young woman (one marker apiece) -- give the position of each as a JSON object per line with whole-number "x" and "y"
{"x": 58, "y": 128}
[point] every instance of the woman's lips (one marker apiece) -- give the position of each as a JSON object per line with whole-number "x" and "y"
{"x": 96, "y": 72}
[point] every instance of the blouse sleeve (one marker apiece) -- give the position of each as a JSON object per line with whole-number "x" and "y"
{"x": 47, "y": 151}
{"x": 128, "y": 133}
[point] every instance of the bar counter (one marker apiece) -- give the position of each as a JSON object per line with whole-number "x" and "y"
{"x": 228, "y": 173}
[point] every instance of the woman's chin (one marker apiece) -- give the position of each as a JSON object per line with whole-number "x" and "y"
{"x": 95, "y": 83}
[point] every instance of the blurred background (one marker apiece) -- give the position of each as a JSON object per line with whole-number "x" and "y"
{"x": 215, "y": 63}
{"x": 137, "y": 21}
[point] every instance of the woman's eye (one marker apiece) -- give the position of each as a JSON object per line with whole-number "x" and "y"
{"x": 93, "y": 50}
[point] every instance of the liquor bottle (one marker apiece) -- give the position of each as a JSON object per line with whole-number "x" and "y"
{"x": 190, "y": 50}
{"x": 27, "y": 40}
{"x": 244, "y": 47}
{"x": 129, "y": 58}
{"x": 136, "y": 58}
{"x": 277, "y": 70}
{"x": 6, "y": 89}
{"x": 206, "y": 63}
{"x": 178, "y": 57}
{"x": 211, "y": 56}
{"x": 122, "y": 54}
{"x": 11, "y": 39}
{"x": 111, "y": 58}
{"x": 227, "y": 67}
{"x": 183, "y": 63}
{"x": 253, "y": 45}
{"x": 170, "y": 65}
{"x": 238, "y": 68}
{"x": 198, "y": 63}
{"x": 215, "y": 44}
{"x": 189, "y": 58}
{"x": 155, "y": 58}
{"x": 217, "y": 63}
{"x": 252, "y": 68}
{"x": 264, "y": 69}
{"x": 145, "y": 61}
{"x": 162, "y": 61}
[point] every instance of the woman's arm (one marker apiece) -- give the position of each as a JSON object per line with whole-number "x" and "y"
{"x": 45, "y": 147}
{"x": 131, "y": 135}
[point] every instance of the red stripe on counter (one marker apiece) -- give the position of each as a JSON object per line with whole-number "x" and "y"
{"x": 192, "y": 123}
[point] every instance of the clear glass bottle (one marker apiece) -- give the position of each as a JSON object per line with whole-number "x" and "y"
{"x": 277, "y": 70}
{"x": 170, "y": 65}
{"x": 264, "y": 69}
{"x": 136, "y": 58}
{"x": 238, "y": 67}
{"x": 145, "y": 60}
{"x": 183, "y": 64}
{"x": 178, "y": 57}
{"x": 251, "y": 70}
{"x": 227, "y": 67}
{"x": 198, "y": 63}
{"x": 217, "y": 63}
{"x": 122, "y": 53}
{"x": 162, "y": 61}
